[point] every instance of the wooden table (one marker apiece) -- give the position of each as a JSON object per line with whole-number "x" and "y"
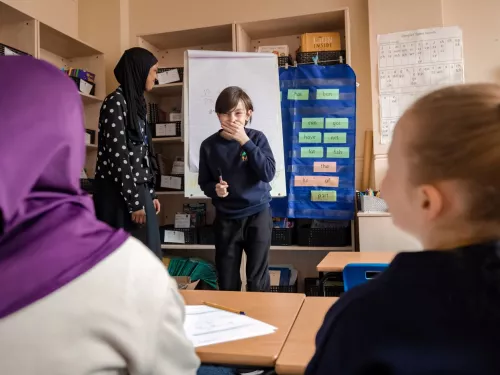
{"x": 277, "y": 309}
{"x": 335, "y": 261}
{"x": 300, "y": 345}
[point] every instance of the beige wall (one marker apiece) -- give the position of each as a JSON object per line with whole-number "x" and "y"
{"x": 479, "y": 21}
{"x": 481, "y": 32}
{"x": 59, "y": 14}
{"x": 101, "y": 25}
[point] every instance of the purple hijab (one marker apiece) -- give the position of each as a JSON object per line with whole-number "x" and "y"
{"x": 48, "y": 231}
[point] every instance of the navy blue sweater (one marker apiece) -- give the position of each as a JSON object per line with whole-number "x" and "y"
{"x": 247, "y": 169}
{"x": 432, "y": 312}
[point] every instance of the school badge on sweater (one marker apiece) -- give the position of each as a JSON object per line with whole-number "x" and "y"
{"x": 244, "y": 156}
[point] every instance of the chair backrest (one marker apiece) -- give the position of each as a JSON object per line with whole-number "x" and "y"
{"x": 359, "y": 273}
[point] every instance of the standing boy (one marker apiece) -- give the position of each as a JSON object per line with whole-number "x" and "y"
{"x": 236, "y": 166}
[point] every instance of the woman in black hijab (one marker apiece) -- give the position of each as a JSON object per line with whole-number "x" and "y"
{"x": 126, "y": 166}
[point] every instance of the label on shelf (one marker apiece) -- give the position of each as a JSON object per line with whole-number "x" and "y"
{"x": 174, "y": 236}
{"x": 168, "y": 77}
{"x": 182, "y": 221}
{"x": 9, "y": 52}
{"x": 85, "y": 87}
{"x": 165, "y": 130}
{"x": 171, "y": 182}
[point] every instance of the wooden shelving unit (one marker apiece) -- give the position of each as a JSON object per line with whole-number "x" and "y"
{"x": 90, "y": 99}
{"x": 64, "y": 51}
{"x": 38, "y": 39}
{"x": 18, "y": 30}
{"x": 169, "y": 89}
{"x": 251, "y": 35}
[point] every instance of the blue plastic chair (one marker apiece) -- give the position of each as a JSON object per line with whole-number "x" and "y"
{"x": 359, "y": 273}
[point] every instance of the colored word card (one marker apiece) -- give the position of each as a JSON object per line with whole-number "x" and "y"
{"x": 310, "y": 137}
{"x": 335, "y": 137}
{"x": 296, "y": 94}
{"x": 328, "y": 94}
{"x": 313, "y": 123}
{"x": 311, "y": 152}
{"x": 325, "y": 166}
{"x": 337, "y": 123}
{"x": 321, "y": 181}
{"x": 337, "y": 152}
{"x": 323, "y": 195}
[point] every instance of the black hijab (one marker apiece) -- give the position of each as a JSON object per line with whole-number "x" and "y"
{"x": 132, "y": 72}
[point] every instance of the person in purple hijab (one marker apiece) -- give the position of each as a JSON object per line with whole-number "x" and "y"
{"x": 76, "y": 296}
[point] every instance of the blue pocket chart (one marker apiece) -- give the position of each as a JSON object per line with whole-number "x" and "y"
{"x": 318, "y": 105}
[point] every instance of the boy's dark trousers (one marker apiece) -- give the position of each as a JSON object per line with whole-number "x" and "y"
{"x": 253, "y": 234}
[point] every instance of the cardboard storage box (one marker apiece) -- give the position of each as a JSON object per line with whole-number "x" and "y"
{"x": 314, "y": 42}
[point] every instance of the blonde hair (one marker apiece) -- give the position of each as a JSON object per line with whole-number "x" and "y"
{"x": 455, "y": 135}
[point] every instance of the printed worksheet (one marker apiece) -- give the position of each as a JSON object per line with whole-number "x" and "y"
{"x": 206, "y": 325}
{"x": 412, "y": 64}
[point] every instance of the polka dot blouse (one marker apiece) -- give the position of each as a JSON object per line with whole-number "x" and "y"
{"x": 119, "y": 159}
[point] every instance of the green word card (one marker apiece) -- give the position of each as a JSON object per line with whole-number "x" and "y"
{"x": 309, "y": 137}
{"x": 295, "y": 94}
{"x": 311, "y": 152}
{"x": 324, "y": 196}
{"x": 327, "y": 94}
{"x": 337, "y": 123}
{"x": 337, "y": 152}
{"x": 336, "y": 138}
{"x": 313, "y": 123}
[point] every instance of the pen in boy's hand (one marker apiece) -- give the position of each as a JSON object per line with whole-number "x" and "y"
{"x": 220, "y": 175}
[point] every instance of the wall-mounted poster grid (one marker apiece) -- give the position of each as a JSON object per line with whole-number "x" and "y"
{"x": 319, "y": 132}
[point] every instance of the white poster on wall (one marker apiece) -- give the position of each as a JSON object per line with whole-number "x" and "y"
{"x": 412, "y": 64}
{"x": 207, "y": 73}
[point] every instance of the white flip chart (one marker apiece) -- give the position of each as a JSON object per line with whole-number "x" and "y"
{"x": 206, "y": 74}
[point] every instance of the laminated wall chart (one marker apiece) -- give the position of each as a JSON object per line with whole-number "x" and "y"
{"x": 318, "y": 105}
{"x": 412, "y": 64}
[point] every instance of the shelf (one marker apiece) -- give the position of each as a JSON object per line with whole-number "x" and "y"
{"x": 169, "y": 192}
{"x": 9, "y": 14}
{"x": 274, "y": 248}
{"x": 190, "y": 37}
{"x": 89, "y": 99}
{"x": 309, "y": 23}
{"x": 169, "y": 89}
{"x": 63, "y": 45}
{"x": 168, "y": 140}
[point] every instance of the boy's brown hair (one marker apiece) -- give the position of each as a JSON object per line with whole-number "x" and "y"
{"x": 230, "y": 97}
{"x": 455, "y": 135}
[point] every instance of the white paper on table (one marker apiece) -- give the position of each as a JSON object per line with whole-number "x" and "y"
{"x": 206, "y": 325}
{"x": 168, "y": 77}
{"x": 412, "y": 64}
{"x": 174, "y": 236}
